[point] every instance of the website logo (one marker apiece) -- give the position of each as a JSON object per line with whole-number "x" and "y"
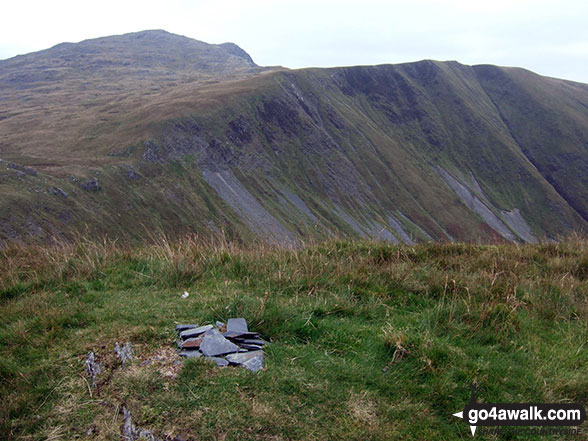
{"x": 520, "y": 414}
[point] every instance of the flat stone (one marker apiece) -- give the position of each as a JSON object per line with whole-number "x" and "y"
{"x": 214, "y": 344}
{"x": 254, "y": 341}
{"x": 218, "y": 360}
{"x": 191, "y": 353}
{"x": 219, "y": 324}
{"x": 255, "y": 364}
{"x": 192, "y": 343}
{"x": 242, "y": 358}
{"x": 235, "y": 335}
{"x": 195, "y": 332}
{"x": 185, "y": 327}
{"x": 236, "y": 325}
{"x": 250, "y": 347}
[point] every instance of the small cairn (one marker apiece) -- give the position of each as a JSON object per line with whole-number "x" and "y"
{"x": 230, "y": 344}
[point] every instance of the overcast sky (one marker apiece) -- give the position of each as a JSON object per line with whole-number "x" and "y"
{"x": 548, "y": 37}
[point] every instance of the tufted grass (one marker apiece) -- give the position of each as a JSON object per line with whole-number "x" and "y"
{"x": 369, "y": 340}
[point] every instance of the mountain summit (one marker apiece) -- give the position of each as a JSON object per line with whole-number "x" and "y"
{"x": 139, "y": 53}
{"x": 173, "y": 134}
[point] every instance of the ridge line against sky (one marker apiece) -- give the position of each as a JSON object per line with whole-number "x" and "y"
{"x": 547, "y": 37}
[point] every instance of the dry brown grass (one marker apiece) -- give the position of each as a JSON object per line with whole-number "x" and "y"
{"x": 68, "y": 125}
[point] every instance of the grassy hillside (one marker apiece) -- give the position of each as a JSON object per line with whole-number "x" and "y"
{"x": 368, "y": 340}
{"x": 153, "y": 131}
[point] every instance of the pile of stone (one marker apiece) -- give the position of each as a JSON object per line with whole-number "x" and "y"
{"x": 222, "y": 344}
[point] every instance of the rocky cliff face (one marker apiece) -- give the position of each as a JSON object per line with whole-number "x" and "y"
{"x": 420, "y": 151}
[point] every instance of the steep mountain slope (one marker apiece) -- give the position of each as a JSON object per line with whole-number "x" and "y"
{"x": 194, "y": 137}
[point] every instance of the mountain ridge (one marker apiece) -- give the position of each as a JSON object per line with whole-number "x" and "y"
{"x": 406, "y": 152}
{"x": 154, "y": 35}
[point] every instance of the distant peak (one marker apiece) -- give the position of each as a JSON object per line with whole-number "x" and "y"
{"x": 153, "y": 33}
{"x": 233, "y": 49}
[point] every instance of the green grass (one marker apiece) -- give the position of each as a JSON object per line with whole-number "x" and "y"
{"x": 368, "y": 340}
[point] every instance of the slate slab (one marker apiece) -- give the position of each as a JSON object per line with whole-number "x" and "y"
{"x": 254, "y": 364}
{"x": 237, "y": 325}
{"x": 243, "y": 357}
{"x": 251, "y": 347}
{"x": 250, "y": 360}
{"x": 195, "y": 332}
{"x": 213, "y": 344}
{"x": 218, "y": 361}
{"x": 236, "y": 335}
{"x": 254, "y": 341}
{"x": 191, "y": 353}
{"x": 184, "y": 327}
{"x": 192, "y": 343}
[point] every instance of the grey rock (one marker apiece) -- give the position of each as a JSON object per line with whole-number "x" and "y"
{"x": 130, "y": 172}
{"x": 219, "y": 324}
{"x": 152, "y": 151}
{"x": 241, "y": 358}
{"x": 250, "y": 347}
{"x": 94, "y": 368}
{"x": 247, "y": 207}
{"x": 192, "y": 343}
{"x": 26, "y": 170}
{"x": 240, "y": 335}
{"x": 214, "y": 344}
{"x": 398, "y": 228}
{"x": 516, "y": 223}
{"x": 254, "y": 341}
{"x": 125, "y": 352}
{"x": 254, "y": 364}
{"x": 91, "y": 185}
{"x": 191, "y": 353}
{"x": 58, "y": 192}
{"x": 476, "y": 205}
{"x": 250, "y": 360}
{"x": 128, "y": 428}
{"x": 185, "y": 327}
{"x": 218, "y": 360}
{"x": 376, "y": 230}
{"x": 237, "y": 325}
{"x": 130, "y": 432}
{"x": 195, "y": 332}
